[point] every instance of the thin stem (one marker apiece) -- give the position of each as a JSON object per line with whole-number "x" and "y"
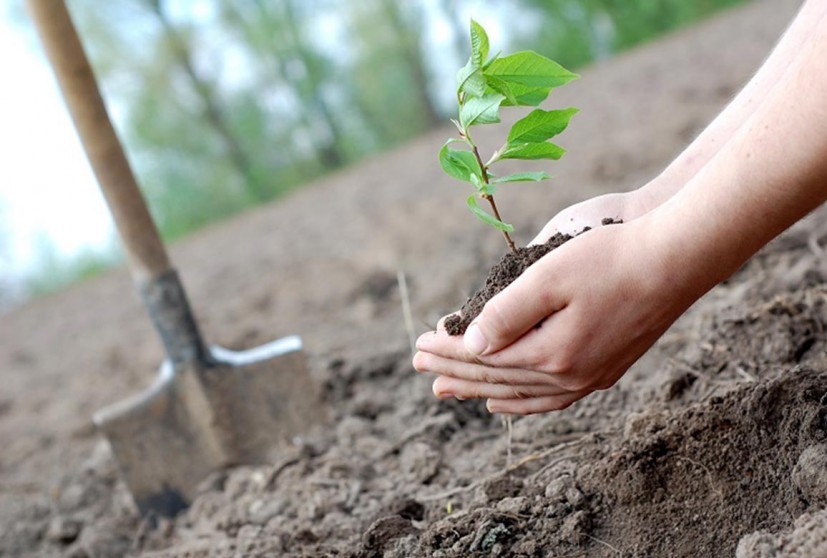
{"x": 489, "y": 197}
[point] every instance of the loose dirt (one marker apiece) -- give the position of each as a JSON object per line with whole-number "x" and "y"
{"x": 502, "y": 274}
{"x": 714, "y": 444}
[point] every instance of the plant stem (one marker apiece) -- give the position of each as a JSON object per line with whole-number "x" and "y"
{"x": 489, "y": 197}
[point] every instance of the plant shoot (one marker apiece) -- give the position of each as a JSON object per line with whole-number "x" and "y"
{"x": 486, "y": 84}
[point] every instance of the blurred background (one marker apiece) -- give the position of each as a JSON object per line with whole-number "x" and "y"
{"x": 225, "y": 105}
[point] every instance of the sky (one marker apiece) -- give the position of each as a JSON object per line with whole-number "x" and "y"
{"x": 48, "y": 193}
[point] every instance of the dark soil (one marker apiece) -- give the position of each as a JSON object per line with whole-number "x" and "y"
{"x": 713, "y": 445}
{"x": 502, "y": 274}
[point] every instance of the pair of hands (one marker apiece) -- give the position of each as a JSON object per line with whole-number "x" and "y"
{"x": 602, "y": 299}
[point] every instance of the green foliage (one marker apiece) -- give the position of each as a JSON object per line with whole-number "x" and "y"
{"x": 486, "y": 217}
{"x": 576, "y": 32}
{"x": 460, "y": 164}
{"x": 483, "y": 86}
{"x": 521, "y": 177}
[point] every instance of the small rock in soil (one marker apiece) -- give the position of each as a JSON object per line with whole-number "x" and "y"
{"x": 556, "y": 489}
{"x": 810, "y": 473}
{"x": 807, "y": 538}
{"x": 575, "y": 498}
{"x": 63, "y": 530}
{"x": 575, "y": 527}
{"x": 512, "y": 506}
{"x": 421, "y": 461}
{"x": 383, "y": 531}
{"x": 488, "y": 535}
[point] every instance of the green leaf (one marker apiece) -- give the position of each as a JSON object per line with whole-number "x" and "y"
{"x": 484, "y": 188}
{"x": 490, "y": 61}
{"x": 521, "y": 177}
{"x": 499, "y": 86}
{"x": 544, "y": 150}
{"x": 462, "y": 165}
{"x": 470, "y": 80}
{"x": 479, "y": 44}
{"x": 480, "y": 110}
{"x": 530, "y": 69}
{"x": 517, "y": 94}
{"x": 528, "y": 96}
{"x": 540, "y": 125}
{"x": 486, "y": 217}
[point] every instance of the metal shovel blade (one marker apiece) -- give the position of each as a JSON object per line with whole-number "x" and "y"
{"x": 197, "y": 418}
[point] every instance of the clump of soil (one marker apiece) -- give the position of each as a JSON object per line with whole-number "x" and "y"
{"x": 511, "y": 266}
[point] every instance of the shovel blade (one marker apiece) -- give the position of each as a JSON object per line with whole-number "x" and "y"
{"x": 198, "y": 418}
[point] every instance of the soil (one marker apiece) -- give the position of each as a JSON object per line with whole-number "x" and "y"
{"x": 502, "y": 274}
{"x": 714, "y": 444}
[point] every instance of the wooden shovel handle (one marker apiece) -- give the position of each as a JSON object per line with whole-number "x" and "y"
{"x": 145, "y": 251}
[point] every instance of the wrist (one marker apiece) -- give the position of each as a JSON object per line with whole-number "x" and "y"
{"x": 651, "y": 195}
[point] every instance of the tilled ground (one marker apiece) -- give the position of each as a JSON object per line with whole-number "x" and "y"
{"x": 714, "y": 444}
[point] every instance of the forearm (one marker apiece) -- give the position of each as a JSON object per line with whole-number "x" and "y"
{"x": 771, "y": 173}
{"x": 718, "y": 134}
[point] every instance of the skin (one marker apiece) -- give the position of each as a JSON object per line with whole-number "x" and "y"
{"x": 606, "y": 296}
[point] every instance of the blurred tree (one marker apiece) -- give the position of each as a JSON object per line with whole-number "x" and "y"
{"x": 275, "y": 37}
{"x": 577, "y": 32}
{"x": 181, "y": 162}
{"x": 389, "y": 94}
{"x": 178, "y": 40}
{"x": 407, "y": 26}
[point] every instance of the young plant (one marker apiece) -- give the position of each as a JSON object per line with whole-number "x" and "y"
{"x": 486, "y": 84}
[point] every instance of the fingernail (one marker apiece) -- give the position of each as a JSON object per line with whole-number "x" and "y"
{"x": 443, "y": 394}
{"x": 475, "y": 341}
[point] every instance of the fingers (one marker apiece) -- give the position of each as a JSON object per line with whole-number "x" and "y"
{"x": 534, "y": 405}
{"x": 513, "y": 312}
{"x": 440, "y": 343}
{"x": 474, "y": 372}
{"x": 446, "y": 386}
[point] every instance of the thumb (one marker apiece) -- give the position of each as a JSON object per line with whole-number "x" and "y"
{"x": 513, "y": 312}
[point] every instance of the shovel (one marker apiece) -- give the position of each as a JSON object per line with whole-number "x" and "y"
{"x": 210, "y": 407}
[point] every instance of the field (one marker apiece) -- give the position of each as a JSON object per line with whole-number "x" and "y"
{"x": 715, "y": 443}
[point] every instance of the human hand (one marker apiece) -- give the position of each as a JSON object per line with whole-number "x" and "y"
{"x": 573, "y": 323}
{"x": 622, "y": 206}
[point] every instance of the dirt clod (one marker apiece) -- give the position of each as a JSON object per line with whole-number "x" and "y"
{"x": 511, "y": 266}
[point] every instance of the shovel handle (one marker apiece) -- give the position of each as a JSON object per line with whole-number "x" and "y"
{"x": 159, "y": 284}
{"x": 141, "y": 241}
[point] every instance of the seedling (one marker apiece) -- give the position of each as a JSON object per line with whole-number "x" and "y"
{"x": 486, "y": 84}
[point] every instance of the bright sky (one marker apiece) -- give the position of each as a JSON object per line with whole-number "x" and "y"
{"x": 47, "y": 190}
